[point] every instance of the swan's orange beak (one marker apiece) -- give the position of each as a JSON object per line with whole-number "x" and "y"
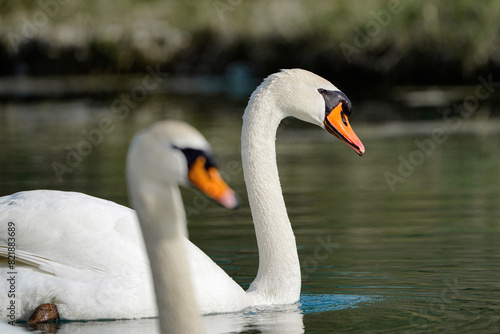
{"x": 337, "y": 123}
{"x": 211, "y": 184}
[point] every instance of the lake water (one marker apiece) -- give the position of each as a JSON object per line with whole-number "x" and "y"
{"x": 402, "y": 240}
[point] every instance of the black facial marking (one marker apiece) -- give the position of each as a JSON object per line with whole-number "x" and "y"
{"x": 333, "y": 98}
{"x": 192, "y": 154}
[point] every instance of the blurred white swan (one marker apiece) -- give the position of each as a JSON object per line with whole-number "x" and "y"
{"x": 155, "y": 169}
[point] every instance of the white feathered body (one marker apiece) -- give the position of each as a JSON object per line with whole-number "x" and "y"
{"x": 87, "y": 256}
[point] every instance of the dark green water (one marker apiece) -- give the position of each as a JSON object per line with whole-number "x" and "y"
{"x": 420, "y": 257}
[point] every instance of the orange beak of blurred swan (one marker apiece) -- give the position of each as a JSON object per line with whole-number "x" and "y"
{"x": 208, "y": 180}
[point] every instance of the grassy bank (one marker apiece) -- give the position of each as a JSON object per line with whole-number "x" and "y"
{"x": 398, "y": 41}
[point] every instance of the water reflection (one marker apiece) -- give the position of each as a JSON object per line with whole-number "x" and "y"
{"x": 276, "y": 320}
{"x": 288, "y": 320}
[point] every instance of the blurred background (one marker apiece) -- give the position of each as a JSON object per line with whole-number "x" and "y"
{"x": 365, "y": 45}
{"x": 415, "y": 219}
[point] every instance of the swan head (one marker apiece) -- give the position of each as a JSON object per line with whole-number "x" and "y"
{"x": 311, "y": 98}
{"x": 175, "y": 153}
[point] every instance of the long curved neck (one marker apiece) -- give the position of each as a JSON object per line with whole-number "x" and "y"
{"x": 278, "y": 277}
{"x": 162, "y": 218}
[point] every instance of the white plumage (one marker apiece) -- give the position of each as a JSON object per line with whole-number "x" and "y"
{"x": 87, "y": 255}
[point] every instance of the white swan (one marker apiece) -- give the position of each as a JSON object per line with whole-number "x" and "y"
{"x": 294, "y": 92}
{"x": 308, "y": 97}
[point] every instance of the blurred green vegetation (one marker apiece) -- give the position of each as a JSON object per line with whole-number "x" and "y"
{"x": 396, "y": 37}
